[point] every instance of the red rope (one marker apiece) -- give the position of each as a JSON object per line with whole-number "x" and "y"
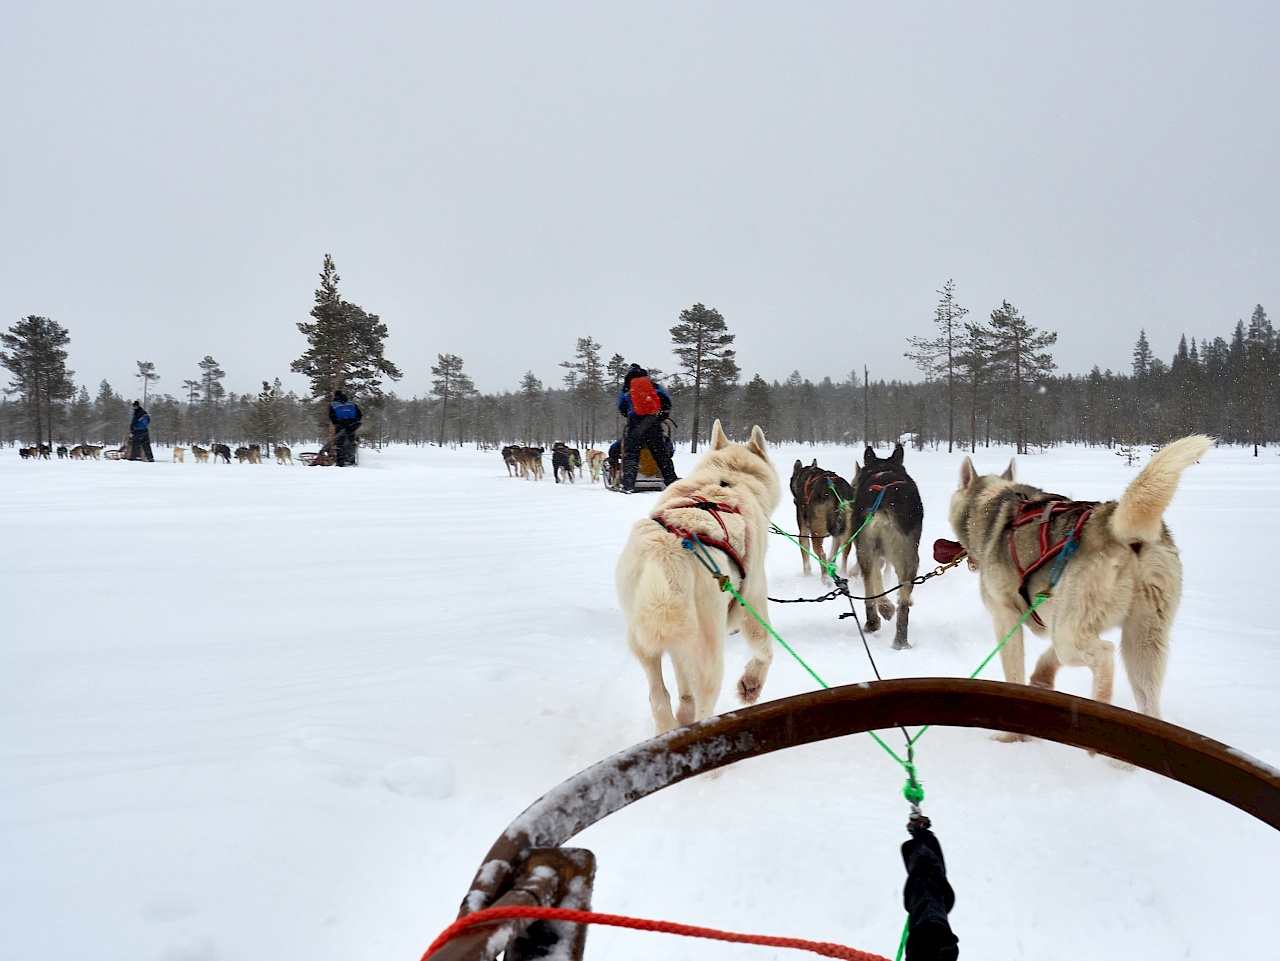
{"x": 824, "y": 948}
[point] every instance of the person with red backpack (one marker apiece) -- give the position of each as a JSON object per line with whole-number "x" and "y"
{"x": 645, "y": 406}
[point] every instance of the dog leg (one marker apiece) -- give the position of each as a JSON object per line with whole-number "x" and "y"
{"x": 699, "y": 674}
{"x": 815, "y": 540}
{"x": 659, "y": 697}
{"x": 873, "y": 583}
{"x": 1046, "y": 671}
{"x": 1100, "y": 657}
{"x": 900, "y": 635}
{"x": 906, "y": 568}
{"x": 752, "y": 681}
{"x": 803, "y": 528}
{"x": 1012, "y": 655}
{"x": 1144, "y": 645}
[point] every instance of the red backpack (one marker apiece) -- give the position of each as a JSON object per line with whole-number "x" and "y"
{"x": 644, "y": 397}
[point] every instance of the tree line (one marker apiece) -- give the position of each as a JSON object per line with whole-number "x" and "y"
{"x": 987, "y": 381}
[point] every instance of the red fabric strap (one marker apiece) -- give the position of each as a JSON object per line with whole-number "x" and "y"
{"x": 824, "y": 948}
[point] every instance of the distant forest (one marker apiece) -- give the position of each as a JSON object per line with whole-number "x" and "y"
{"x": 984, "y": 383}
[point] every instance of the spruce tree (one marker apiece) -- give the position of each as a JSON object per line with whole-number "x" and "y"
{"x": 344, "y": 344}
{"x": 34, "y": 354}
{"x": 1020, "y": 355}
{"x": 1142, "y": 356}
{"x": 703, "y": 347}
{"x": 939, "y": 355}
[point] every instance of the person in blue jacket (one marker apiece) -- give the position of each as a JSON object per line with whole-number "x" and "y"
{"x": 345, "y": 417}
{"x": 140, "y": 435}
{"x": 645, "y": 405}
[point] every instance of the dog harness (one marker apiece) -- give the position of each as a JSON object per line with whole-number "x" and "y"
{"x": 1043, "y": 513}
{"x": 826, "y": 475}
{"x": 715, "y": 510}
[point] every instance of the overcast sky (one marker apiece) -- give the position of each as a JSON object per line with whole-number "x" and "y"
{"x": 497, "y": 179}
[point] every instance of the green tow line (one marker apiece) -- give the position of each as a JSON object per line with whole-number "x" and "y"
{"x": 913, "y": 790}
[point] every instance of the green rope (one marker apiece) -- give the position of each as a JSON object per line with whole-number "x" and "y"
{"x": 902, "y": 945}
{"x": 913, "y": 791}
{"x": 828, "y": 566}
{"x": 1040, "y": 598}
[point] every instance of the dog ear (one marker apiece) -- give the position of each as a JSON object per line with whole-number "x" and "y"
{"x": 869, "y": 454}
{"x": 757, "y": 443}
{"x": 1008, "y": 471}
{"x": 857, "y": 472}
{"x": 967, "y": 473}
{"x": 718, "y": 440}
{"x": 815, "y": 462}
{"x": 896, "y": 456}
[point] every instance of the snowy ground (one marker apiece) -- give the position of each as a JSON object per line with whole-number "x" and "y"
{"x": 265, "y": 713}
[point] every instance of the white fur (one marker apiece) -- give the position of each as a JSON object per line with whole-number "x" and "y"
{"x": 674, "y": 605}
{"x": 1126, "y": 574}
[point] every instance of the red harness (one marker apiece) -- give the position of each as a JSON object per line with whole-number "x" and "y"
{"x": 882, "y": 487}
{"x": 715, "y": 510}
{"x": 1043, "y": 513}
{"x": 826, "y": 475}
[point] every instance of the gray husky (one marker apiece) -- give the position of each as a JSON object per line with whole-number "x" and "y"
{"x": 1121, "y": 570}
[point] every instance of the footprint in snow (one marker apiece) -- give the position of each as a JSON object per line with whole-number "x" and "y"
{"x": 420, "y": 777}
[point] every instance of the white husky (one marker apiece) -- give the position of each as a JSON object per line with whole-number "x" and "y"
{"x": 674, "y": 604}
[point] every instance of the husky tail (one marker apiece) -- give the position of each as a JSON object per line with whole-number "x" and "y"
{"x": 1139, "y": 515}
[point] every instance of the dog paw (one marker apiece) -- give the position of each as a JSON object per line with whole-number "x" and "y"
{"x": 871, "y": 626}
{"x": 1008, "y": 737}
{"x": 900, "y": 644}
{"x": 887, "y": 610}
{"x": 748, "y": 690}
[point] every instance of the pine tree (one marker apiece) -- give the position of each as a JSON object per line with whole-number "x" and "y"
{"x": 703, "y": 347}
{"x": 974, "y": 361}
{"x": 36, "y": 358}
{"x": 212, "y": 394}
{"x": 531, "y": 399}
{"x": 1020, "y": 355}
{"x": 267, "y": 421}
{"x": 756, "y": 405}
{"x": 344, "y": 344}
{"x": 450, "y": 383}
{"x": 81, "y": 416}
{"x": 939, "y": 355}
{"x": 112, "y": 414}
{"x": 586, "y": 380}
{"x": 147, "y": 374}
{"x": 1128, "y": 447}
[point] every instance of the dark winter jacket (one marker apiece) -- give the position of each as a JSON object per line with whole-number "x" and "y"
{"x": 141, "y": 420}
{"x": 345, "y": 416}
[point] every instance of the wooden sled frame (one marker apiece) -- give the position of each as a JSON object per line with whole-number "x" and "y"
{"x": 515, "y": 869}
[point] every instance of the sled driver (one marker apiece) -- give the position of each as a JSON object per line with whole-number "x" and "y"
{"x": 140, "y": 435}
{"x": 344, "y": 415}
{"x": 646, "y": 406}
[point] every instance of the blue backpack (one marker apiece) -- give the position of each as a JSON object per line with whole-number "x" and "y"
{"x": 344, "y": 411}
